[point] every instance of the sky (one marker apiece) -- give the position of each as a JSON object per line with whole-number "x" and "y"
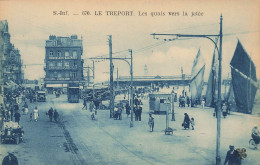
{"x": 31, "y": 23}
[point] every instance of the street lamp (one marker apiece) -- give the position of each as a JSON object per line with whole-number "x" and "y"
{"x": 218, "y": 158}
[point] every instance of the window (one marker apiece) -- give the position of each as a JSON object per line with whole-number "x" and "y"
{"x": 59, "y": 63}
{"x": 51, "y": 53}
{"x": 74, "y": 54}
{"x": 59, "y": 75}
{"x": 75, "y": 63}
{"x": 59, "y": 53}
{"x": 51, "y": 64}
{"x": 67, "y": 54}
{"x": 67, "y": 74}
{"x": 55, "y": 74}
{"x": 67, "y": 64}
{"x": 74, "y": 74}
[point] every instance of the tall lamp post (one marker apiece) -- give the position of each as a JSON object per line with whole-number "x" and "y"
{"x": 218, "y": 158}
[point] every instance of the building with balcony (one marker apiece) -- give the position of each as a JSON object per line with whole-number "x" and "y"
{"x": 63, "y": 63}
{"x": 10, "y": 58}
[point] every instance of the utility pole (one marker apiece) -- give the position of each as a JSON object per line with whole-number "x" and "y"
{"x": 218, "y": 158}
{"x": 182, "y": 78}
{"x": 132, "y": 98}
{"x": 88, "y": 75}
{"x": 93, "y": 70}
{"x": 117, "y": 83}
{"x": 111, "y": 82}
{"x": 208, "y": 36}
{"x": 111, "y": 78}
{"x": 173, "y": 115}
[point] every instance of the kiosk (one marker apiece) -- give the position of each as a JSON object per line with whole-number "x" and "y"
{"x": 162, "y": 104}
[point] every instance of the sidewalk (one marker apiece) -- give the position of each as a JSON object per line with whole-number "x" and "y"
{"x": 183, "y": 146}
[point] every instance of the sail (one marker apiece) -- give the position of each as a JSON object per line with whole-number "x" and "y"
{"x": 230, "y": 95}
{"x": 197, "y": 79}
{"x": 244, "y": 79}
{"x": 211, "y": 93}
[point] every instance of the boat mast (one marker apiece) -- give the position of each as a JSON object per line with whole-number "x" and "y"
{"x": 249, "y": 88}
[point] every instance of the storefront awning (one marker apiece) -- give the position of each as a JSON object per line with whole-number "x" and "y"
{"x": 56, "y": 85}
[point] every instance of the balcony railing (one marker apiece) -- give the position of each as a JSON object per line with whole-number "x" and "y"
{"x": 62, "y": 58}
{"x": 74, "y": 43}
{"x": 62, "y": 79}
{"x": 62, "y": 67}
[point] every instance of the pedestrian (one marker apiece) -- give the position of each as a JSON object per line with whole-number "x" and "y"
{"x": 93, "y": 115}
{"x": 116, "y": 113}
{"x": 224, "y": 110}
{"x": 56, "y": 115}
{"x": 186, "y": 122}
{"x": 31, "y": 98}
{"x": 91, "y": 106}
{"x": 203, "y": 104}
{"x": 96, "y": 103}
{"x": 230, "y": 156}
{"x": 84, "y": 104}
{"x": 36, "y": 113}
{"x": 120, "y": 110}
{"x": 188, "y": 101}
{"x": 31, "y": 115}
{"x": 50, "y": 113}
{"x": 10, "y": 159}
{"x": 9, "y": 114}
{"x": 128, "y": 108}
{"x": 192, "y": 123}
{"x": 12, "y": 113}
{"x": 228, "y": 108}
{"x": 151, "y": 122}
{"x": 3, "y": 112}
{"x": 17, "y": 117}
{"x": 25, "y": 107}
{"x": 16, "y": 107}
{"x": 180, "y": 101}
{"x": 140, "y": 112}
{"x": 255, "y": 134}
{"x": 136, "y": 112}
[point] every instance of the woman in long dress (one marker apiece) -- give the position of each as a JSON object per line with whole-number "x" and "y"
{"x": 35, "y": 113}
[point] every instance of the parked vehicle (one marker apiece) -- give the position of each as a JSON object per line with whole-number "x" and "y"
{"x": 12, "y": 132}
{"x": 41, "y": 96}
{"x": 73, "y": 92}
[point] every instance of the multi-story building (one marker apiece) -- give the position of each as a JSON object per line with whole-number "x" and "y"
{"x": 11, "y": 63}
{"x": 13, "y": 66}
{"x": 63, "y": 61}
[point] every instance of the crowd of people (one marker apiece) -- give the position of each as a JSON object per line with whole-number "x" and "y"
{"x": 10, "y": 110}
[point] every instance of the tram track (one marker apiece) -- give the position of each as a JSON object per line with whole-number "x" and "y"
{"x": 69, "y": 145}
{"x": 78, "y": 159}
{"x": 97, "y": 125}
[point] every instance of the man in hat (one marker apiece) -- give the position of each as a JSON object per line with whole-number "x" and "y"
{"x": 10, "y": 159}
{"x": 255, "y": 134}
{"x": 230, "y": 156}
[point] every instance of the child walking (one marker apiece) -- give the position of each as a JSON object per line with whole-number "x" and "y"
{"x": 192, "y": 123}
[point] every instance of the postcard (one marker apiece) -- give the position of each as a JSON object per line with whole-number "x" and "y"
{"x": 129, "y": 82}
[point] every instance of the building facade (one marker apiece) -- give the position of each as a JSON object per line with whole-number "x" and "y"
{"x": 10, "y": 58}
{"x": 63, "y": 63}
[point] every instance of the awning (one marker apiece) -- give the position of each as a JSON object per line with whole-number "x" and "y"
{"x": 56, "y": 85}
{"x": 13, "y": 83}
